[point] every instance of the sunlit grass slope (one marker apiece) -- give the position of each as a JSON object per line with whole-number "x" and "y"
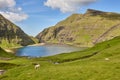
{"x": 90, "y": 64}
{"x": 4, "y": 54}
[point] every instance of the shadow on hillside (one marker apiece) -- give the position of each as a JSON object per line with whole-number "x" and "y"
{"x": 111, "y": 16}
{"x": 83, "y": 57}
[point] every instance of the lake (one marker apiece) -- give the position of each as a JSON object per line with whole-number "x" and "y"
{"x": 46, "y": 50}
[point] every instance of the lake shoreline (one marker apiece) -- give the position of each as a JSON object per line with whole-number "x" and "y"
{"x": 39, "y": 44}
{"x": 40, "y": 50}
{"x": 14, "y": 50}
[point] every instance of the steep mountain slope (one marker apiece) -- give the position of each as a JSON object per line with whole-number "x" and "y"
{"x": 11, "y": 35}
{"x": 83, "y": 29}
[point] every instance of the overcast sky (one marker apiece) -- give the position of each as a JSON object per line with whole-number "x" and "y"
{"x": 35, "y": 15}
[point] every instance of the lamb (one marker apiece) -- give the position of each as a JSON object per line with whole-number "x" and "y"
{"x": 37, "y": 66}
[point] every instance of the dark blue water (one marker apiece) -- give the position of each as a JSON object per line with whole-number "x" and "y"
{"x": 46, "y": 50}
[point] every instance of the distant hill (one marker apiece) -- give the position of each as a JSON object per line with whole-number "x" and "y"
{"x": 11, "y": 35}
{"x": 83, "y": 29}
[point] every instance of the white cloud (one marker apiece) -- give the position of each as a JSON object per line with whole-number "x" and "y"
{"x": 9, "y": 10}
{"x": 7, "y": 3}
{"x": 15, "y": 17}
{"x": 67, "y": 5}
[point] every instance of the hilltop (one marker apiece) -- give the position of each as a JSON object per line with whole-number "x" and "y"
{"x": 83, "y": 30}
{"x": 11, "y": 35}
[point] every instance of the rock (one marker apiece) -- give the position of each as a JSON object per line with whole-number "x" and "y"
{"x": 2, "y": 72}
{"x": 94, "y": 12}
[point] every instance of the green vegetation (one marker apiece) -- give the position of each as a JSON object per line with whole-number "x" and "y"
{"x": 89, "y": 64}
{"x": 6, "y": 44}
{"x": 34, "y": 39}
{"x": 83, "y": 29}
{"x": 4, "y": 54}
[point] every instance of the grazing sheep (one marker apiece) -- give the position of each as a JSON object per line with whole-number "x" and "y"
{"x": 107, "y": 59}
{"x": 2, "y": 72}
{"x": 56, "y": 63}
{"x": 37, "y": 66}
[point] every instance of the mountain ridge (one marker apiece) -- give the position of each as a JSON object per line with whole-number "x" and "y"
{"x": 82, "y": 29}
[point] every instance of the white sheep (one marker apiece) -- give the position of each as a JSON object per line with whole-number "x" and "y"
{"x": 56, "y": 63}
{"x": 107, "y": 59}
{"x": 37, "y": 66}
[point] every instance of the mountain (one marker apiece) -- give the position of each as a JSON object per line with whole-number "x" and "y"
{"x": 84, "y": 30}
{"x": 11, "y": 35}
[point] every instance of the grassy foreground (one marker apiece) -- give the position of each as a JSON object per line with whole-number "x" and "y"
{"x": 89, "y": 64}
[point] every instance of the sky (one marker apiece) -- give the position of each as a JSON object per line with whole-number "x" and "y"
{"x": 33, "y": 16}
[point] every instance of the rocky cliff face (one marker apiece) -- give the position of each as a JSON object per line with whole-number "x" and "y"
{"x": 11, "y": 35}
{"x": 83, "y": 29}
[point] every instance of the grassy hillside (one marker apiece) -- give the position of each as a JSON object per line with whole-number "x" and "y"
{"x": 11, "y": 35}
{"x": 90, "y": 64}
{"x": 34, "y": 39}
{"x": 83, "y": 29}
{"x": 4, "y": 54}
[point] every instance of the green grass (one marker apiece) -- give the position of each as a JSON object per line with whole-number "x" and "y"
{"x": 5, "y": 54}
{"x": 5, "y": 44}
{"x": 82, "y": 65}
{"x": 34, "y": 39}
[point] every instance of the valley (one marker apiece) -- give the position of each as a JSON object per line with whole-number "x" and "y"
{"x": 99, "y": 31}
